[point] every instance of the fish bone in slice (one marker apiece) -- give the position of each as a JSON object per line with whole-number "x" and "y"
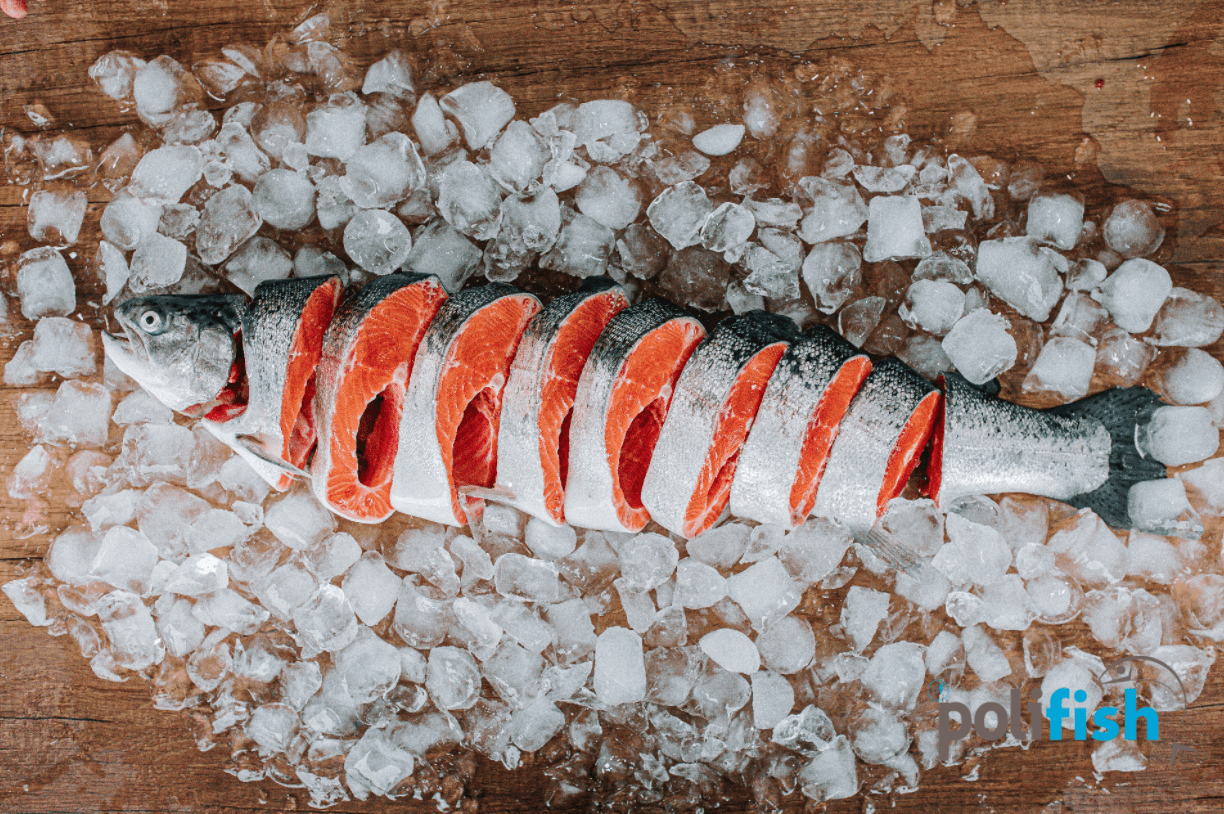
{"x": 781, "y": 463}
{"x": 881, "y": 438}
{"x": 716, "y": 399}
{"x": 368, "y": 353}
{"x": 282, "y": 342}
{"x": 452, "y": 407}
{"x": 537, "y": 406}
{"x": 622, "y": 401}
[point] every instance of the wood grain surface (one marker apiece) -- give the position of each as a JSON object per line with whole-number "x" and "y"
{"x": 1120, "y": 92}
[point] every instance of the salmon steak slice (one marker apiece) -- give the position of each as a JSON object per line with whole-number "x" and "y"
{"x": 282, "y": 342}
{"x": 452, "y": 406}
{"x": 368, "y": 352}
{"x": 716, "y": 399}
{"x": 538, "y": 403}
{"x": 623, "y": 397}
{"x": 882, "y": 437}
{"x": 781, "y": 464}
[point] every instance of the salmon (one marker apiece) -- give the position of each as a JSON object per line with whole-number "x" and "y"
{"x": 622, "y": 400}
{"x": 537, "y": 407}
{"x": 367, "y": 358}
{"x": 781, "y": 464}
{"x": 282, "y": 341}
{"x": 882, "y": 436}
{"x": 716, "y": 399}
{"x": 452, "y": 406}
{"x": 1082, "y": 453}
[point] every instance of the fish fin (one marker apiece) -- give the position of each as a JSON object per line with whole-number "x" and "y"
{"x": 254, "y": 446}
{"x": 497, "y": 494}
{"x": 1121, "y": 410}
{"x": 887, "y": 546}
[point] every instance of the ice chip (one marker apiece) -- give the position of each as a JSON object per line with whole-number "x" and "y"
{"x": 1132, "y": 229}
{"x": 550, "y": 542}
{"x": 377, "y": 241}
{"x": 454, "y": 679}
{"x": 299, "y": 521}
{"x": 337, "y": 128}
{"x": 229, "y": 219}
{"x": 371, "y": 588}
{"x": 1134, "y": 293}
{"x": 894, "y": 229}
{"x": 482, "y": 110}
{"x": 63, "y": 346}
{"x": 731, "y": 650}
{"x": 1179, "y": 435}
{"x": 620, "y": 670}
{"x": 932, "y": 305}
{"x": 1161, "y": 507}
{"x": 863, "y": 611}
{"x": 159, "y": 262}
{"x": 1023, "y": 274}
{"x": 1188, "y": 319}
{"x": 582, "y": 248}
{"x": 255, "y": 261}
{"x": 284, "y": 199}
{"x": 832, "y": 271}
{"x": 679, "y": 212}
{"x": 383, "y": 172}
{"x": 44, "y": 284}
{"x": 55, "y": 215}
{"x": 698, "y": 585}
{"x": 980, "y": 346}
{"x": 1195, "y": 378}
{"x": 1055, "y": 218}
{"x": 164, "y": 175}
{"x": 764, "y": 591}
{"x": 787, "y": 645}
{"x": 1064, "y": 366}
{"x": 470, "y": 201}
{"x": 526, "y": 578}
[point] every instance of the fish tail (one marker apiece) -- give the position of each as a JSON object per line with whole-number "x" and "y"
{"x": 1121, "y": 410}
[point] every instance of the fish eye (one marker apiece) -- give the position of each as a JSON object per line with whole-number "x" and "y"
{"x": 150, "y": 321}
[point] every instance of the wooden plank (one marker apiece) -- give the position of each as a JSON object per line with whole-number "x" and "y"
{"x": 1040, "y": 77}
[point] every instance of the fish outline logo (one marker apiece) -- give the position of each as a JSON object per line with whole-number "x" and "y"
{"x": 1126, "y": 669}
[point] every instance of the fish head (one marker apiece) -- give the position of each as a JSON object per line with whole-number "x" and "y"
{"x": 181, "y": 349}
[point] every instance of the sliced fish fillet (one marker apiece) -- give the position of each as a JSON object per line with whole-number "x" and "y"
{"x": 622, "y": 401}
{"x": 717, "y": 395}
{"x": 452, "y": 407}
{"x": 533, "y": 439}
{"x": 368, "y": 353}
{"x": 282, "y": 341}
{"x": 781, "y": 463}
{"x": 881, "y": 438}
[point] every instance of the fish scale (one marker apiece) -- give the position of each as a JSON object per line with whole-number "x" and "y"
{"x": 718, "y": 392}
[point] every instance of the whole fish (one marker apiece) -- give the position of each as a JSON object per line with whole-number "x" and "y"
{"x": 610, "y": 413}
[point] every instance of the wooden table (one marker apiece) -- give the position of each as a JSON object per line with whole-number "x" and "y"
{"x": 1137, "y": 86}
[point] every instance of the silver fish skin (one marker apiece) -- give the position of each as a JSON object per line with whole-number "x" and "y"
{"x": 991, "y": 446}
{"x": 850, "y": 488}
{"x": 769, "y": 462}
{"x": 686, "y": 448}
{"x": 521, "y": 447}
{"x": 179, "y": 348}
{"x": 593, "y": 491}
{"x": 422, "y": 483}
{"x": 269, "y": 327}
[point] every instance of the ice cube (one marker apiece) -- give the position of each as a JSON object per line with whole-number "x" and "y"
{"x": 582, "y": 248}
{"x": 1189, "y": 319}
{"x": 731, "y": 650}
{"x": 129, "y": 626}
{"x": 32, "y": 475}
{"x": 943, "y": 266}
{"x": 641, "y": 251}
{"x": 376, "y": 764}
{"x": 1075, "y": 676}
{"x": 970, "y": 186}
{"x": 391, "y": 74}
{"x": 159, "y": 262}
{"x": 454, "y": 679}
{"x": 55, "y": 215}
{"x": 285, "y": 199}
{"x": 927, "y": 587}
{"x": 377, "y": 241}
{"x": 698, "y": 585}
{"x": 432, "y": 128}
{"x": 79, "y": 415}
{"x": 884, "y": 179}
{"x": 286, "y": 589}
{"x": 63, "y": 346}
{"x": 980, "y": 346}
{"x": 984, "y": 655}
{"x": 369, "y": 667}
{"x": 255, "y": 261}
{"x": 299, "y": 521}
{"x": 1196, "y": 377}
{"x": 165, "y": 174}
{"x": 125, "y": 559}
{"x": 383, "y": 172}
{"x": 20, "y": 371}
{"x": 647, "y": 560}
{"x": 895, "y": 675}
{"x": 1055, "y": 218}
{"x": 337, "y": 128}
{"x": 813, "y": 550}
{"x": 1206, "y": 487}
{"x": 179, "y": 629}
{"x": 1132, "y": 229}
{"x": 858, "y": 319}
{"x": 1023, "y": 274}
{"x": 720, "y": 139}
{"x": 371, "y": 588}
{"x": 1179, "y": 435}
{"x": 861, "y": 614}
{"x": 678, "y": 168}
{"x": 610, "y": 198}
{"x": 975, "y": 554}
{"x": 1122, "y": 357}
{"x": 575, "y": 632}
{"x": 697, "y": 278}
{"x": 439, "y": 249}
{"x": 620, "y": 668}
{"x": 550, "y": 542}
{"x": 518, "y": 157}
{"x": 197, "y": 575}
{"x": 894, "y": 229}
{"x": 114, "y": 73}
{"x": 229, "y": 219}
{"x": 728, "y": 227}
{"x": 770, "y": 274}
{"x": 1088, "y": 550}
{"x": 764, "y": 591}
{"x": 720, "y": 547}
{"x": 159, "y": 87}
{"x": 482, "y": 110}
{"x": 528, "y": 579}
{"x": 1080, "y": 318}
{"x": 1064, "y": 366}
{"x": 1161, "y": 507}
{"x": 679, "y": 212}
{"x": 44, "y": 284}
{"x": 470, "y": 201}
{"x": 787, "y": 644}
{"x": 932, "y": 305}
{"x": 837, "y": 210}
{"x": 112, "y": 509}
{"x": 1135, "y": 293}
{"x": 326, "y": 621}
{"x": 1152, "y": 558}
